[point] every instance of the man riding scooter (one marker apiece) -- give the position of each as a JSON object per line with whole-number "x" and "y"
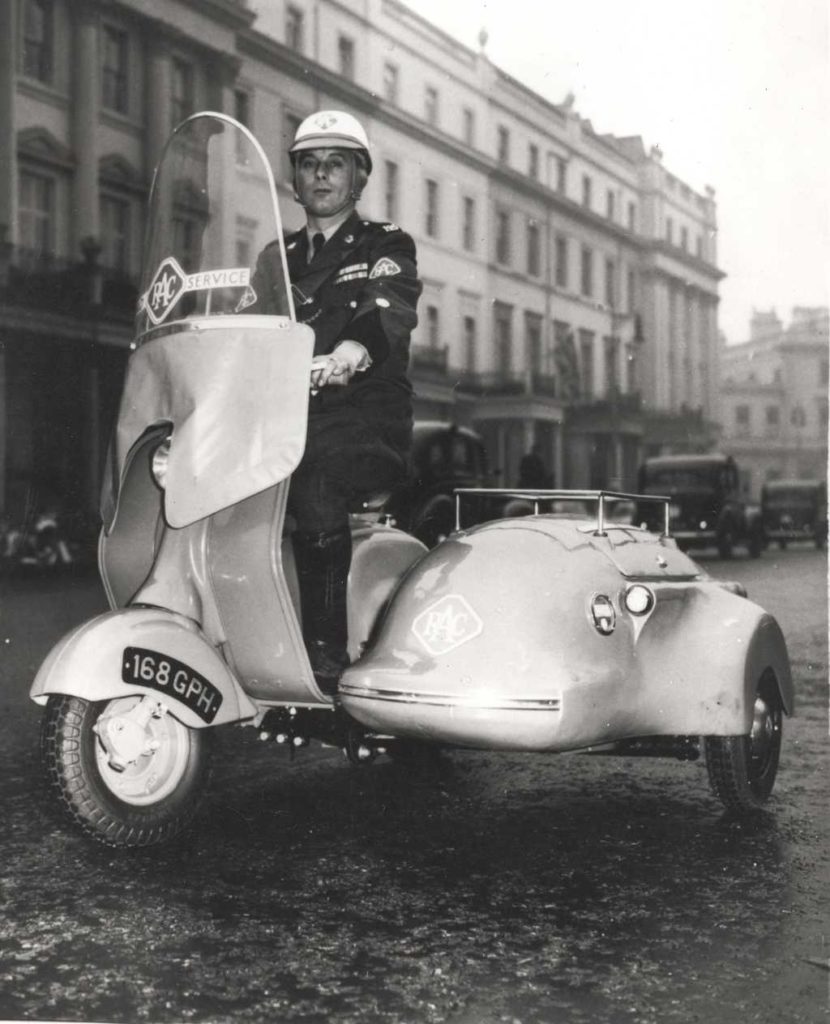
{"x": 355, "y": 283}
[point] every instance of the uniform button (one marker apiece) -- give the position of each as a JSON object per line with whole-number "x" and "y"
{"x": 353, "y": 304}
{"x": 383, "y": 303}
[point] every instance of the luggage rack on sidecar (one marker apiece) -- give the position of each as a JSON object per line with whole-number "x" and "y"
{"x": 541, "y": 495}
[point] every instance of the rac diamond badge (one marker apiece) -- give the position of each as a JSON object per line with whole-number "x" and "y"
{"x": 447, "y": 624}
{"x": 165, "y": 288}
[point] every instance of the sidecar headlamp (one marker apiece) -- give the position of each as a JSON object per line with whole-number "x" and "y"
{"x": 159, "y": 462}
{"x": 639, "y": 600}
{"x": 602, "y": 614}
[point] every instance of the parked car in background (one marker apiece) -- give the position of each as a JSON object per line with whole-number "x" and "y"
{"x": 794, "y": 510}
{"x": 444, "y": 456}
{"x": 706, "y": 508}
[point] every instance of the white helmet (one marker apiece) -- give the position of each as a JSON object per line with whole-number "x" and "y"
{"x": 331, "y": 129}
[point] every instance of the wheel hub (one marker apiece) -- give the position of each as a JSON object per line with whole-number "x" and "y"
{"x": 124, "y": 737}
{"x": 142, "y": 751}
{"x": 762, "y": 735}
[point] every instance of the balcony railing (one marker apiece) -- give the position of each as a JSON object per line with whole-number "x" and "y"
{"x": 494, "y": 383}
{"x": 543, "y": 384}
{"x": 616, "y": 402}
{"x": 433, "y": 362}
{"x": 55, "y": 284}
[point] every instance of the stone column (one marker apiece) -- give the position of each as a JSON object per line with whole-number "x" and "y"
{"x": 502, "y": 453}
{"x": 617, "y": 478}
{"x": 8, "y": 151}
{"x": 85, "y": 105}
{"x": 529, "y": 432}
{"x": 3, "y": 426}
{"x": 558, "y": 457}
{"x": 158, "y": 101}
{"x": 8, "y": 191}
{"x": 93, "y": 439}
{"x": 223, "y": 71}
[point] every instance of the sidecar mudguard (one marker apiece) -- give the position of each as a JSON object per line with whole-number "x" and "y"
{"x": 149, "y": 652}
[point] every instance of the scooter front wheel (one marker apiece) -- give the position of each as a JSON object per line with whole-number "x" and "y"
{"x": 127, "y": 773}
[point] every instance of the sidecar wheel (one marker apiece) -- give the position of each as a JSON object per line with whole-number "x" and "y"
{"x": 152, "y": 800}
{"x": 742, "y": 769}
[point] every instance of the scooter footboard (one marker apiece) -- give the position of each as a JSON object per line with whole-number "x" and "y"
{"x": 150, "y": 652}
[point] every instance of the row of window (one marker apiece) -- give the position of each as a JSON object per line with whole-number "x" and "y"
{"x": 752, "y": 378}
{"x": 37, "y": 219}
{"x": 37, "y": 233}
{"x": 549, "y": 359}
{"x": 504, "y": 249}
{"x": 772, "y": 418}
{"x": 37, "y": 61}
{"x": 682, "y": 240}
{"x": 295, "y": 39}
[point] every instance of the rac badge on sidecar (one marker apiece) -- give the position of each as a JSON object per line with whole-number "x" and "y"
{"x": 447, "y": 624}
{"x": 142, "y": 667}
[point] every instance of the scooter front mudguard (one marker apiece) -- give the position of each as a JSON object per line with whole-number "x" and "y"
{"x": 150, "y": 652}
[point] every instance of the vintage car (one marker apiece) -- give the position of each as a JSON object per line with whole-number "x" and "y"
{"x": 444, "y": 456}
{"x": 794, "y": 510}
{"x": 707, "y": 508}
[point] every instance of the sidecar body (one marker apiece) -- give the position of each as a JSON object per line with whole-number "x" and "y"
{"x": 563, "y": 632}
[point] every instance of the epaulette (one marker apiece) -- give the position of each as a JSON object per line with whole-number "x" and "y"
{"x": 381, "y": 227}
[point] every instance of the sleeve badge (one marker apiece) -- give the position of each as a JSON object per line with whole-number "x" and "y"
{"x": 384, "y": 268}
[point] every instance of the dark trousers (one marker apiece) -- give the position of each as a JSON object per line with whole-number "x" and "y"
{"x": 344, "y": 462}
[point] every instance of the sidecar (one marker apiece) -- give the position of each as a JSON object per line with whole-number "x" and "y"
{"x": 570, "y": 632}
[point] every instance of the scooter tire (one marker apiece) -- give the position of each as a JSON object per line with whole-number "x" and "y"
{"x": 68, "y": 750}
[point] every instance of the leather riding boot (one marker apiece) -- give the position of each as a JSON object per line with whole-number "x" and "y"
{"x": 323, "y": 561}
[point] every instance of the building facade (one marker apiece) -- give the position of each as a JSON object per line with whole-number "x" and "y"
{"x": 774, "y": 398}
{"x": 570, "y": 281}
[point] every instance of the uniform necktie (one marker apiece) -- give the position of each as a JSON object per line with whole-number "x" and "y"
{"x": 317, "y": 242}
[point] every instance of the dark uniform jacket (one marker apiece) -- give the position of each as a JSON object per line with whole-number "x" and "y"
{"x": 362, "y": 286}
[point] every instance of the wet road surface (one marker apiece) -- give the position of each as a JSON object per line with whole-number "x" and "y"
{"x": 481, "y": 888}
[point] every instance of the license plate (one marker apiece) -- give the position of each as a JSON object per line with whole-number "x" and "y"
{"x": 157, "y": 671}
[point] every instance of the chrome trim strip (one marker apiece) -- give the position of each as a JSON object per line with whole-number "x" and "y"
{"x": 451, "y": 700}
{"x": 213, "y": 323}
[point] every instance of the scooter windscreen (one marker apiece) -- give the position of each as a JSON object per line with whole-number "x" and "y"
{"x": 226, "y": 368}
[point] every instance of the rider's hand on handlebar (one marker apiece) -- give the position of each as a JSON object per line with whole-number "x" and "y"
{"x": 339, "y": 366}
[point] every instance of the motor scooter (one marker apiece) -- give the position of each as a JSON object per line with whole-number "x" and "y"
{"x": 584, "y": 646}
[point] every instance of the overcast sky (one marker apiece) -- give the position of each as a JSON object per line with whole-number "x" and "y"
{"x": 735, "y": 92}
